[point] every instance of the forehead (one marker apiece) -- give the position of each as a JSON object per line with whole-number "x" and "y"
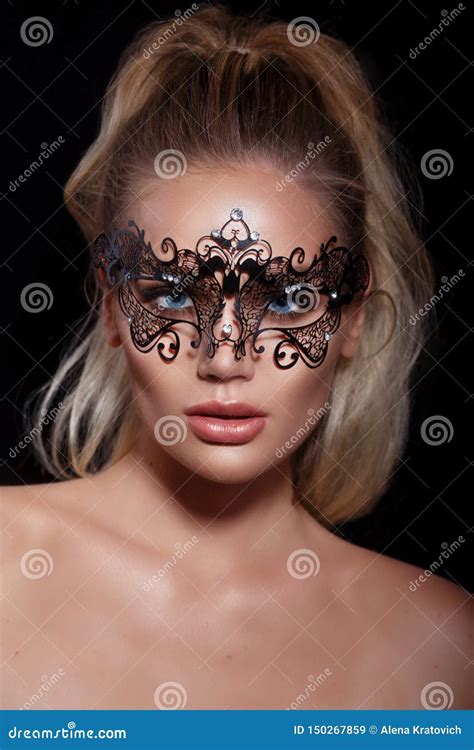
{"x": 191, "y": 206}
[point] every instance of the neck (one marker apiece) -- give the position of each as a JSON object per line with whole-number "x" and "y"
{"x": 237, "y": 517}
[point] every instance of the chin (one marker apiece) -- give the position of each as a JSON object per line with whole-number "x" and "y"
{"x": 228, "y": 465}
{"x": 224, "y": 475}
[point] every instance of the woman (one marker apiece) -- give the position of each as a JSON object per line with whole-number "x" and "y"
{"x": 239, "y": 388}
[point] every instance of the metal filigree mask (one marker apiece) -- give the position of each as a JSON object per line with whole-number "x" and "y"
{"x": 159, "y": 293}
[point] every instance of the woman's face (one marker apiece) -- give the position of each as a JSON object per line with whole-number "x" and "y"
{"x": 224, "y": 449}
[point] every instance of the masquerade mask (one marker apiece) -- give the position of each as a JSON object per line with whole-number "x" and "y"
{"x": 160, "y": 293}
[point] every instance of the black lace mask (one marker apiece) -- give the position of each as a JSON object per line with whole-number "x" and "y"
{"x": 160, "y": 293}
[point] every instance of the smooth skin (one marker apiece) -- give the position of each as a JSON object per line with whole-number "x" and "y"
{"x": 171, "y": 566}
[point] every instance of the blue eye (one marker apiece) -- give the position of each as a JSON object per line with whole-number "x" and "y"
{"x": 177, "y": 301}
{"x": 297, "y": 300}
{"x": 280, "y": 305}
{"x": 164, "y": 299}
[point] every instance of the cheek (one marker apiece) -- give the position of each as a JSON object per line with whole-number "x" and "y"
{"x": 298, "y": 404}
{"x": 157, "y": 386}
{"x": 153, "y": 381}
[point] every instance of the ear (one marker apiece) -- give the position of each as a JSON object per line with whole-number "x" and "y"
{"x": 107, "y": 310}
{"x": 352, "y": 327}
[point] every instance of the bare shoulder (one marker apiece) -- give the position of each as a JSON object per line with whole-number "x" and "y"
{"x": 36, "y": 506}
{"x": 440, "y": 599}
{"x": 36, "y": 517}
{"x": 48, "y": 547}
{"x": 427, "y": 618}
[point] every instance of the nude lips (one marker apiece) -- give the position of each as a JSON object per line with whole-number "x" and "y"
{"x": 234, "y": 422}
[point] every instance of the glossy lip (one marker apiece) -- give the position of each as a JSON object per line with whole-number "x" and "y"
{"x": 234, "y": 422}
{"x": 225, "y": 409}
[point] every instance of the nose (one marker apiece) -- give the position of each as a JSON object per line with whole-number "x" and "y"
{"x": 221, "y": 363}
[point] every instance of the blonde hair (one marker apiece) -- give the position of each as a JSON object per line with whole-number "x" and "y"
{"x": 226, "y": 89}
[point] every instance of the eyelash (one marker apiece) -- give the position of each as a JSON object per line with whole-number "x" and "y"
{"x": 278, "y": 316}
{"x": 290, "y": 314}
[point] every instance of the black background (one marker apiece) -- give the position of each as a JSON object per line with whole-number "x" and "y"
{"x": 56, "y": 90}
